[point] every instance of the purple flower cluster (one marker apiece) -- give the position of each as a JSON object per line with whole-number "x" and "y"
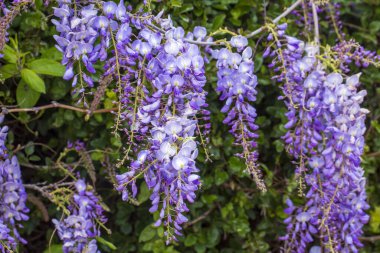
{"x": 79, "y": 229}
{"x": 283, "y": 50}
{"x": 326, "y": 126}
{"x": 165, "y": 94}
{"x": 330, "y": 12}
{"x": 13, "y": 197}
{"x": 237, "y": 85}
{"x": 79, "y": 31}
{"x": 347, "y": 52}
{"x": 86, "y": 33}
{"x": 169, "y": 170}
{"x": 304, "y": 134}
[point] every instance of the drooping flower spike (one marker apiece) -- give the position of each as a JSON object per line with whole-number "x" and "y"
{"x": 237, "y": 85}
{"x": 78, "y": 230}
{"x": 13, "y": 209}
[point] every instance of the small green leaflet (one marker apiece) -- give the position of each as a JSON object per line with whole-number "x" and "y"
{"x": 107, "y": 243}
{"x": 10, "y": 55}
{"x": 8, "y": 70}
{"x": 33, "y": 80}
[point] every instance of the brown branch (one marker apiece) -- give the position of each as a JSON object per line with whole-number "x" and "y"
{"x": 5, "y": 110}
{"x": 202, "y": 217}
{"x": 370, "y": 238}
{"x": 46, "y": 167}
{"x": 373, "y": 154}
{"x": 40, "y": 205}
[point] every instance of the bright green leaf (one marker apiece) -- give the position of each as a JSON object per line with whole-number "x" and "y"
{"x": 176, "y": 3}
{"x": 55, "y": 248}
{"x": 52, "y": 54}
{"x": 33, "y": 80}
{"x": 8, "y": 70}
{"x": 375, "y": 220}
{"x": 106, "y": 243}
{"x": 10, "y": 55}
{"x": 47, "y": 67}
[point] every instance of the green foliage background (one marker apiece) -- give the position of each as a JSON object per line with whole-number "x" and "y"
{"x": 230, "y": 214}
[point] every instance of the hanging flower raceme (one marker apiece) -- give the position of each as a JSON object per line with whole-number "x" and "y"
{"x": 237, "y": 85}
{"x": 13, "y": 197}
{"x": 168, "y": 95}
{"x": 7, "y": 14}
{"x": 326, "y": 135}
{"x": 84, "y": 39}
{"x": 79, "y": 229}
{"x": 346, "y": 52}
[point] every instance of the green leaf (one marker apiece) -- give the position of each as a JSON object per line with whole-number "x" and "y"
{"x": 236, "y": 165}
{"x": 10, "y": 55}
{"x": 34, "y": 158}
{"x": 52, "y": 54}
{"x": 375, "y": 220}
{"x": 33, "y": 80}
{"x": 218, "y": 21}
{"x": 8, "y": 70}
{"x": 25, "y": 96}
{"x": 190, "y": 240}
{"x": 47, "y": 67}
{"x": 106, "y": 243}
{"x": 147, "y": 234}
{"x": 29, "y": 149}
{"x": 55, "y": 248}
{"x": 212, "y": 236}
{"x": 57, "y": 88}
{"x": 221, "y": 177}
{"x": 374, "y": 27}
{"x": 143, "y": 194}
{"x": 176, "y": 3}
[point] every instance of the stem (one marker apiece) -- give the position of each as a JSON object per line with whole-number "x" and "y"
{"x": 331, "y": 12}
{"x": 119, "y": 88}
{"x": 316, "y": 23}
{"x": 252, "y": 34}
{"x": 5, "y": 110}
{"x": 276, "y": 20}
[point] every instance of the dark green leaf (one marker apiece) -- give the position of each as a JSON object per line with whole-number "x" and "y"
{"x": 25, "y": 96}
{"x": 147, "y": 234}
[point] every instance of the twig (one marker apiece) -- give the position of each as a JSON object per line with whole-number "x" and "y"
{"x": 40, "y": 205}
{"x": 316, "y": 23}
{"x": 5, "y": 110}
{"x": 276, "y": 20}
{"x": 370, "y": 238}
{"x": 202, "y": 217}
{"x": 373, "y": 154}
{"x": 46, "y": 167}
{"x": 252, "y": 34}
